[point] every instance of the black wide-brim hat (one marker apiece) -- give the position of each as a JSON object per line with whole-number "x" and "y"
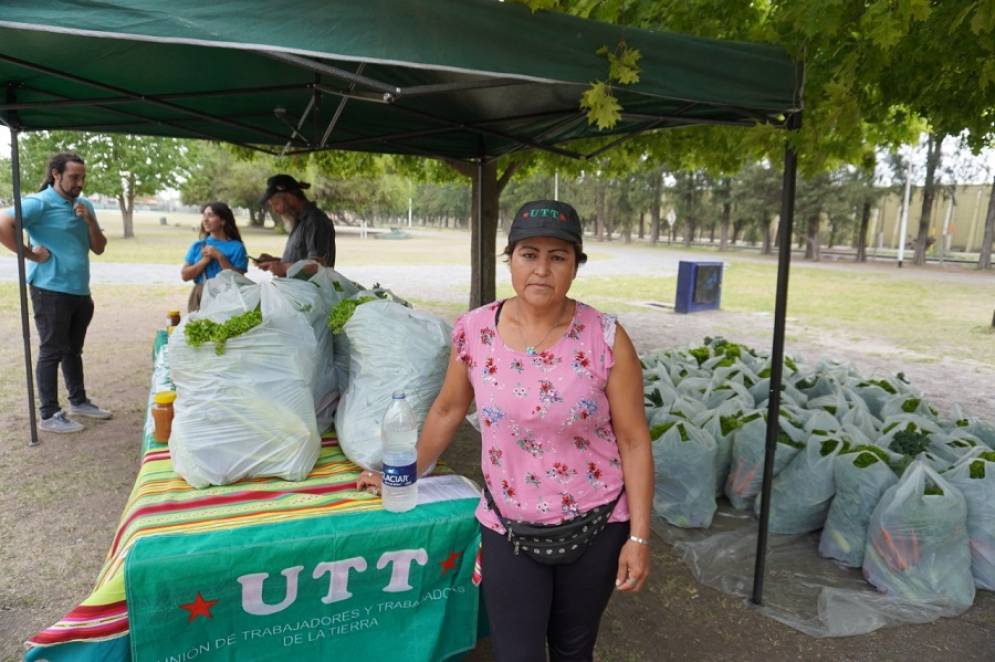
{"x": 546, "y": 218}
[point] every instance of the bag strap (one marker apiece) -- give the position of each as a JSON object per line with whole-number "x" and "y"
{"x": 504, "y": 522}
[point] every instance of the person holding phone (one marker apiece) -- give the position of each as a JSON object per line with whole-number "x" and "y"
{"x": 220, "y": 247}
{"x": 312, "y": 234}
{"x": 62, "y": 230}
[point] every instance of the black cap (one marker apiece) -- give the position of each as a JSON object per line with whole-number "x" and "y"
{"x": 281, "y": 184}
{"x": 546, "y": 218}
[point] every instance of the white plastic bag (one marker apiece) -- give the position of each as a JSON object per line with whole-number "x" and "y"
{"x": 974, "y": 476}
{"x": 306, "y": 299}
{"x": 392, "y": 348}
{"x": 860, "y": 479}
{"x": 684, "y": 461}
{"x": 917, "y": 542}
{"x": 249, "y": 411}
{"x": 802, "y": 492}
{"x": 748, "y": 452}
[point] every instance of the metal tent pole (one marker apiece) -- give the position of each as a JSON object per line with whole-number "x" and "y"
{"x": 479, "y": 204}
{"x": 15, "y": 168}
{"x": 776, "y": 355}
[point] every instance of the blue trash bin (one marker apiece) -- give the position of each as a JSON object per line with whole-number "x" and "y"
{"x": 699, "y": 286}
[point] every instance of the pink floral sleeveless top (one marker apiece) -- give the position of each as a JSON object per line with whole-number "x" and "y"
{"x": 548, "y": 448}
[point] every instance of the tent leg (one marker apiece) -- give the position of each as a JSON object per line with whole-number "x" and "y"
{"x": 483, "y": 233}
{"x": 477, "y": 235}
{"x": 776, "y": 356}
{"x": 15, "y": 167}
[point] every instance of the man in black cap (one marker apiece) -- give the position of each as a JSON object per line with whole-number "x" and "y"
{"x": 312, "y": 235}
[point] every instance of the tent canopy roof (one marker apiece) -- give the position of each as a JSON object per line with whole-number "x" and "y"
{"x": 452, "y": 78}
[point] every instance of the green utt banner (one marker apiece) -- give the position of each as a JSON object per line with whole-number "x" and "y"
{"x": 345, "y": 587}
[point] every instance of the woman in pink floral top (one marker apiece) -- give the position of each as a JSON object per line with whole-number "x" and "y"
{"x": 558, "y": 389}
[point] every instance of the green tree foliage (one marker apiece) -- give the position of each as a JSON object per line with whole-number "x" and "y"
{"x": 122, "y": 166}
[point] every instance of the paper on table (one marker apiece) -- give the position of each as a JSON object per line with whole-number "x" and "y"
{"x": 446, "y": 488}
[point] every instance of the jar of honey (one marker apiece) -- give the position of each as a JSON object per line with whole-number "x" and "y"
{"x": 162, "y": 415}
{"x": 172, "y": 318}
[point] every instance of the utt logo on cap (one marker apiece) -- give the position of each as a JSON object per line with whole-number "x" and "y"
{"x": 544, "y": 213}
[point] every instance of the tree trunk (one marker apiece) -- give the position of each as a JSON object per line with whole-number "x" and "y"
{"x": 689, "y": 206}
{"x": 812, "y": 238}
{"x": 985, "y": 259}
{"x": 642, "y": 225}
{"x": 627, "y": 234}
{"x": 257, "y": 216}
{"x": 655, "y": 208}
{"x": 865, "y": 219}
{"x": 765, "y": 225}
{"x": 933, "y": 145}
{"x": 127, "y": 207}
{"x": 599, "y": 210}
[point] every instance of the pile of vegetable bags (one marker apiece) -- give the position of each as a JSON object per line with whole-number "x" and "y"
{"x": 847, "y": 445}
{"x": 391, "y": 347}
{"x": 243, "y": 367}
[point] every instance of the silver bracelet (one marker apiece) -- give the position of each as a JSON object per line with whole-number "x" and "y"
{"x": 641, "y": 541}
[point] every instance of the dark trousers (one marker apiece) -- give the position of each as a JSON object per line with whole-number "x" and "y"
{"x": 61, "y": 320}
{"x": 530, "y": 605}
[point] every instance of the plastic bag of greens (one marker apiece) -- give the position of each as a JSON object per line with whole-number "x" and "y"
{"x": 229, "y": 291}
{"x": 859, "y": 417}
{"x": 974, "y": 476}
{"x": 861, "y": 476}
{"x": 876, "y": 392}
{"x": 722, "y": 423}
{"x": 821, "y": 422}
{"x": 684, "y": 461}
{"x": 917, "y": 543}
{"x": 728, "y": 391}
{"x": 748, "y": 450}
{"x": 908, "y": 404}
{"x": 834, "y": 404}
{"x": 249, "y": 410}
{"x": 953, "y": 445}
{"x": 392, "y": 348}
{"x": 802, "y": 492}
{"x": 307, "y": 299}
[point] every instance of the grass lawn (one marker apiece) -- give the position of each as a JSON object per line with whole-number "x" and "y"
{"x": 168, "y": 244}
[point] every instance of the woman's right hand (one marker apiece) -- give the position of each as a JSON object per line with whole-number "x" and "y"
{"x": 370, "y": 481}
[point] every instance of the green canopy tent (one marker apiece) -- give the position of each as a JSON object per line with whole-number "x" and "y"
{"x": 463, "y": 80}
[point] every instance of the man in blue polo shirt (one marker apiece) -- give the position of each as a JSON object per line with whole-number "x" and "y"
{"x": 62, "y": 229}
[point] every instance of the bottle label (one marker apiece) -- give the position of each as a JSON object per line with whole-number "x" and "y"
{"x": 403, "y": 476}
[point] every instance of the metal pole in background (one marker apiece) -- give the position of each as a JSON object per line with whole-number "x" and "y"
{"x": 946, "y": 227}
{"x": 905, "y": 213}
{"x": 776, "y": 355}
{"x": 15, "y": 167}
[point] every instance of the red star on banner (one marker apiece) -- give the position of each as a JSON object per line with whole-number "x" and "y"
{"x": 450, "y": 563}
{"x": 199, "y": 607}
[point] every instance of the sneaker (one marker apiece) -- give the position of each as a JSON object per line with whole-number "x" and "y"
{"x": 89, "y": 410}
{"x": 58, "y": 422}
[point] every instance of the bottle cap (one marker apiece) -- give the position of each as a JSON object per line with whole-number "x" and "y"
{"x": 165, "y": 397}
{"x": 172, "y": 313}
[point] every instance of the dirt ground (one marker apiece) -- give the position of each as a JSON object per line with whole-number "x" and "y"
{"x": 60, "y": 501}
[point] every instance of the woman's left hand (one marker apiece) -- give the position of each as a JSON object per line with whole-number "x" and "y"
{"x": 633, "y": 566}
{"x": 370, "y": 481}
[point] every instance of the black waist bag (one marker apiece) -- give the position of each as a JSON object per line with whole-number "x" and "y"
{"x": 556, "y": 544}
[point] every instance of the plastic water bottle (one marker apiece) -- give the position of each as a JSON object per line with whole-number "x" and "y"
{"x": 399, "y": 432}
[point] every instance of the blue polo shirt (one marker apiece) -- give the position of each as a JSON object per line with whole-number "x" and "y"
{"x": 50, "y": 222}
{"x": 231, "y": 249}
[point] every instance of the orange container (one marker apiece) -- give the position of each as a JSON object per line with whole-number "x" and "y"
{"x": 162, "y": 415}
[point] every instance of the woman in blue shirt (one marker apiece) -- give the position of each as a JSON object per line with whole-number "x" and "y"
{"x": 219, "y": 247}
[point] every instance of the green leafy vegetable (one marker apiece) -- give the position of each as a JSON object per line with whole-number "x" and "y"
{"x": 910, "y": 405}
{"x": 342, "y": 312}
{"x": 978, "y": 466}
{"x": 657, "y": 430}
{"x": 909, "y": 441}
{"x": 201, "y": 331}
